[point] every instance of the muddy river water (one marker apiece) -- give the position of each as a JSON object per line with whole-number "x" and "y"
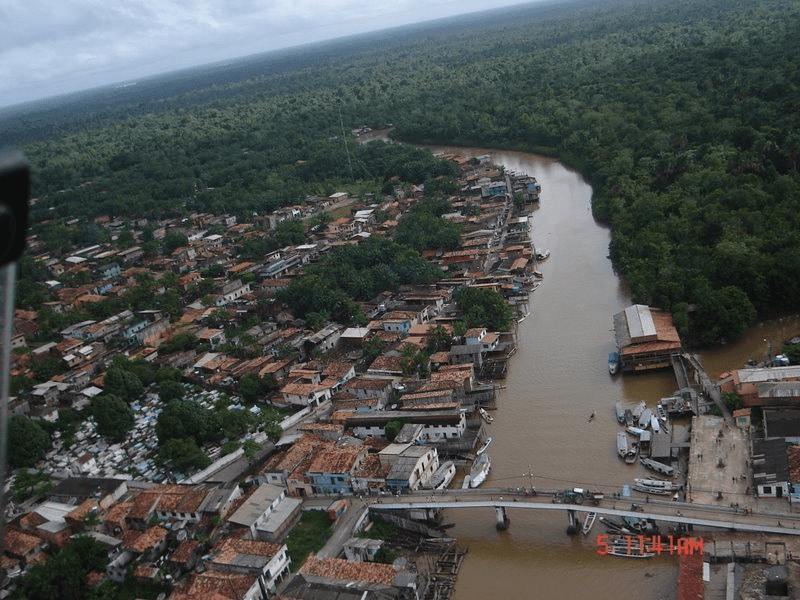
{"x": 541, "y": 431}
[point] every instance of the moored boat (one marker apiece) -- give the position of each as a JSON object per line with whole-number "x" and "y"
{"x": 620, "y": 411}
{"x": 613, "y": 363}
{"x": 480, "y": 470}
{"x": 629, "y": 547}
{"x": 657, "y": 466}
{"x": 588, "y": 522}
{"x": 655, "y": 424}
{"x": 622, "y": 444}
{"x": 644, "y": 418}
{"x": 485, "y": 445}
{"x": 654, "y": 486}
{"x": 629, "y": 419}
{"x": 485, "y": 415}
{"x": 637, "y": 431}
{"x": 638, "y": 409}
{"x": 442, "y": 476}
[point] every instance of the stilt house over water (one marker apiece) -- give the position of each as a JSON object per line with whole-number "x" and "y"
{"x": 646, "y": 338}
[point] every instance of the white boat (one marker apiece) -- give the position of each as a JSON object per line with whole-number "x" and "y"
{"x": 655, "y": 486}
{"x": 637, "y": 431}
{"x": 480, "y": 470}
{"x": 638, "y": 409}
{"x": 541, "y": 254}
{"x": 662, "y": 412}
{"x": 485, "y": 445}
{"x": 485, "y": 415}
{"x": 588, "y": 522}
{"x": 644, "y": 418}
{"x": 657, "y": 466}
{"x": 443, "y": 476}
{"x": 655, "y": 424}
{"x": 620, "y": 410}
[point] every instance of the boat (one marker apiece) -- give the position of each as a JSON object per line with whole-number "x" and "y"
{"x": 629, "y": 419}
{"x": 634, "y": 524}
{"x": 638, "y": 409}
{"x": 485, "y": 415}
{"x": 657, "y": 466}
{"x": 480, "y": 470}
{"x": 629, "y": 547}
{"x": 655, "y": 424}
{"x": 655, "y": 486}
{"x": 620, "y": 410}
{"x": 622, "y": 444}
{"x": 442, "y": 476}
{"x": 541, "y": 254}
{"x": 485, "y": 445}
{"x": 613, "y": 363}
{"x": 637, "y": 431}
{"x": 538, "y": 275}
{"x": 644, "y": 418}
{"x": 588, "y": 522}
{"x": 662, "y": 413}
{"x": 633, "y": 450}
{"x": 627, "y": 452}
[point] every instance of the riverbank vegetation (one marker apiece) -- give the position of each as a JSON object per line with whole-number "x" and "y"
{"x": 683, "y": 114}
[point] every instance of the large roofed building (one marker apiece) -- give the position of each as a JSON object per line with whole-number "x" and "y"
{"x": 646, "y": 338}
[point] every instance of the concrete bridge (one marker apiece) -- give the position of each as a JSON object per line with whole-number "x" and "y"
{"x": 664, "y": 510}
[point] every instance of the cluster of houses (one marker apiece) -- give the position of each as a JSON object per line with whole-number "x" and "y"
{"x": 335, "y": 442}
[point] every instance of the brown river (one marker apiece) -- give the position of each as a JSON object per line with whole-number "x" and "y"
{"x": 541, "y": 431}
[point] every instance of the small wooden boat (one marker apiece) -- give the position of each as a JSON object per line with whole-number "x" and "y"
{"x": 622, "y": 444}
{"x": 613, "y": 363}
{"x": 619, "y": 409}
{"x": 638, "y": 409}
{"x": 588, "y": 522}
{"x": 644, "y": 418}
{"x": 485, "y": 445}
{"x": 657, "y": 466}
{"x": 485, "y": 415}
{"x": 629, "y": 418}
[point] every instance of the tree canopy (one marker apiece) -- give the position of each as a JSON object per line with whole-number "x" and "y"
{"x": 27, "y": 441}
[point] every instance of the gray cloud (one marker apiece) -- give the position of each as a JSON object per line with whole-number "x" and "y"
{"x": 57, "y": 46}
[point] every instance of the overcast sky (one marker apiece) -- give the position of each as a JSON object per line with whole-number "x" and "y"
{"x": 51, "y": 47}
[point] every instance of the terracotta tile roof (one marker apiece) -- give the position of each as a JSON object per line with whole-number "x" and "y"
{"x": 117, "y": 513}
{"x": 214, "y": 585}
{"x": 83, "y": 509}
{"x": 149, "y": 539}
{"x": 336, "y": 460}
{"x": 32, "y": 520}
{"x": 18, "y": 543}
{"x": 306, "y": 446}
{"x": 184, "y": 552}
{"x": 232, "y": 548}
{"x": 143, "y": 505}
{"x": 337, "y": 568}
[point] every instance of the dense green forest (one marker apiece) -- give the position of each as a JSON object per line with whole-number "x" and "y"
{"x": 683, "y": 114}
